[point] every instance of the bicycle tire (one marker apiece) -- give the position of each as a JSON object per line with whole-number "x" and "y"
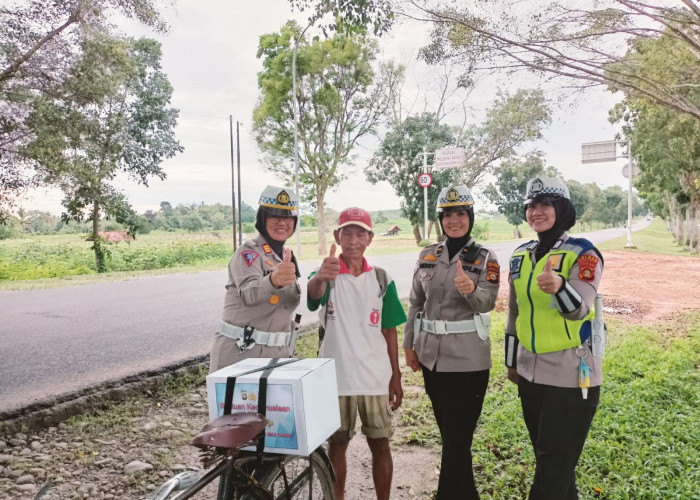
{"x": 296, "y": 469}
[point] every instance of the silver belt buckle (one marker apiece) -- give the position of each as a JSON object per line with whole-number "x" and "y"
{"x": 439, "y": 325}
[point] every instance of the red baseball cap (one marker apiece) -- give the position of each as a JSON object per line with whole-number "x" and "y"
{"x": 356, "y": 216}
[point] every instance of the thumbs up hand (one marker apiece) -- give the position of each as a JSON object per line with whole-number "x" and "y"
{"x": 285, "y": 272}
{"x": 549, "y": 281}
{"x": 463, "y": 283}
{"x": 330, "y": 267}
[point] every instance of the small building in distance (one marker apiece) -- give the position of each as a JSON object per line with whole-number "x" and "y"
{"x": 392, "y": 231}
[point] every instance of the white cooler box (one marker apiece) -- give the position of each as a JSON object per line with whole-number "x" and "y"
{"x": 302, "y": 401}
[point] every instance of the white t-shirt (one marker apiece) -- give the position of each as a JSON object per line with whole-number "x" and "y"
{"x": 357, "y": 312}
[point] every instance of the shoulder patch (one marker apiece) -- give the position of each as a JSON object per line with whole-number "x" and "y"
{"x": 586, "y": 267}
{"x": 493, "y": 272}
{"x": 249, "y": 256}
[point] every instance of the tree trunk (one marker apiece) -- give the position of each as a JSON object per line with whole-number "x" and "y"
{"x": 96, "y": 243}
{"x": 516, "y": 232}
{"x": 693, "y": 224}
{"x": 416, "y": 234}
{"x": 438, "y": 232}
{"x": 321, "y": 217}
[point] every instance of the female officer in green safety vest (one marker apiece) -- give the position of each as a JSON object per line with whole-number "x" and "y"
{"x": 553, "y": 284}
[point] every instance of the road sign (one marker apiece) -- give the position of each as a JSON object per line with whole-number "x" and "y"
{"x": 598, "y": 152}
{"x": 626, "y": 170}
{"x": 425, "y": 179}
{"x": 449, "y": 158}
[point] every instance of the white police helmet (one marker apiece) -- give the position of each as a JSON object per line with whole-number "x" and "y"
{"x": 454, "y": 196}
{"x": 546, "y": 189}
{"x": 279, "y": 201}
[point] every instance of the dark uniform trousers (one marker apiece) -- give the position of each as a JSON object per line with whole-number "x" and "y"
{"x": 457, "y": 398}
{"x": 558, "y": 419}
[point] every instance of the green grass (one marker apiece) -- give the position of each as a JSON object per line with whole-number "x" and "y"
{"x": 653, "y": 239}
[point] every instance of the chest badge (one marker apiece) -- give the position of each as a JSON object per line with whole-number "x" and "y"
{"x": 274, "y": 299}
{"x": 430, "y": 256}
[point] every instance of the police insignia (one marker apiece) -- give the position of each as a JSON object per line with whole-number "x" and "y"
{"x": 266, "y": 248}
{"x": 515, "y": 265}
{"x": 452, "y": 195}
{"x": 269, "y": 263}
{"x": 283, "y": 198}
{"x": 274, "y": 299}
{"x": 493, "y": 272}
{"x": 430, "y": 256}
{"x": 586, "y": 267}
{"x": 249, "y": 256}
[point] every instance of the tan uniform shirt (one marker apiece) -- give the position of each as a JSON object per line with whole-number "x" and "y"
{"x": 560, "y": 368}
{"x": 433, "y": 292}
{"x": 251, "y": 300}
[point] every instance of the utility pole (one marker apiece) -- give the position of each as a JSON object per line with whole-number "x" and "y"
{"x": 233, "y": 184}
{"x": 425, "y": 196}
{"x": 238, "y": 154}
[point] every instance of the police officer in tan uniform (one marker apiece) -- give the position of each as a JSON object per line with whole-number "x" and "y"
{"x": 262, "y": 291}
{"x": 455, "y": 285}
{"x": 553, "y": 284}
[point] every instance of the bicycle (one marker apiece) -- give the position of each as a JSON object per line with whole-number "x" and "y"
{"x": 250, "y": 475}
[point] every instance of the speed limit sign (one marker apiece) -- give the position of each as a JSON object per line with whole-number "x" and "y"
{"x": 425, "y": 179}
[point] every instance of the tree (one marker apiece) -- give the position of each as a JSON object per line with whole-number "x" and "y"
{"x": 665, "y": 142}
{"x": 40, "y": 42}
{"x": 508, "y": 193}
{"x": 113, "y": 115}
{"x": 512, "y": 121}
{"x": 560, "y": 40}
{"x": 349, "y": 16}
{"x": 399, "y": 161}
{"x": 338, "y": 104}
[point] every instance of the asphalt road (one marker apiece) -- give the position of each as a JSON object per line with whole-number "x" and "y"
{"x": 62, "y": 340}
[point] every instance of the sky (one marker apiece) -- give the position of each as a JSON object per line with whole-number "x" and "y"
{"x": 209, "y": 56}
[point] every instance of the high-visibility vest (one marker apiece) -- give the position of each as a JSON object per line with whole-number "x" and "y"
{"x": 540, "y": 326}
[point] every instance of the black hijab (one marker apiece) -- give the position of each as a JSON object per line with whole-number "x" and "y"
{"x": 455, "y": 245}
{"x": 277, "y": 246}
{"x": 565, "y": 218}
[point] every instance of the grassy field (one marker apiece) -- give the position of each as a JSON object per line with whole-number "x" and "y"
{"x": 57, "y": 260}
{"x": 654, "y": 239}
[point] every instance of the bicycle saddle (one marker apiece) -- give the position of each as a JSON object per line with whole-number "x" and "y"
{"x": 231, "y": 431}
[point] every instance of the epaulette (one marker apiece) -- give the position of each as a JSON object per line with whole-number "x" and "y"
{"x": 526, "y": 245}
{"x": 582, "y": 245}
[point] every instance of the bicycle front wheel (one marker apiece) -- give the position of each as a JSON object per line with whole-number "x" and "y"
{"x": 301, "y": 474}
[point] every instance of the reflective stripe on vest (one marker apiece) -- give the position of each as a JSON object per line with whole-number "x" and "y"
{"x": 540, "y": 327}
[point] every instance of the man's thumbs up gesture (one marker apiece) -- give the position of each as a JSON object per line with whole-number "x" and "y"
{"x": 463, "y": 283}
{"x": 330, "y": 267}
{"x": 285, "y": 272}
{"x": 549, "y": 281}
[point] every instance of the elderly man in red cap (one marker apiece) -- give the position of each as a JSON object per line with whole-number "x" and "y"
{"x": 360, "y": 310}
